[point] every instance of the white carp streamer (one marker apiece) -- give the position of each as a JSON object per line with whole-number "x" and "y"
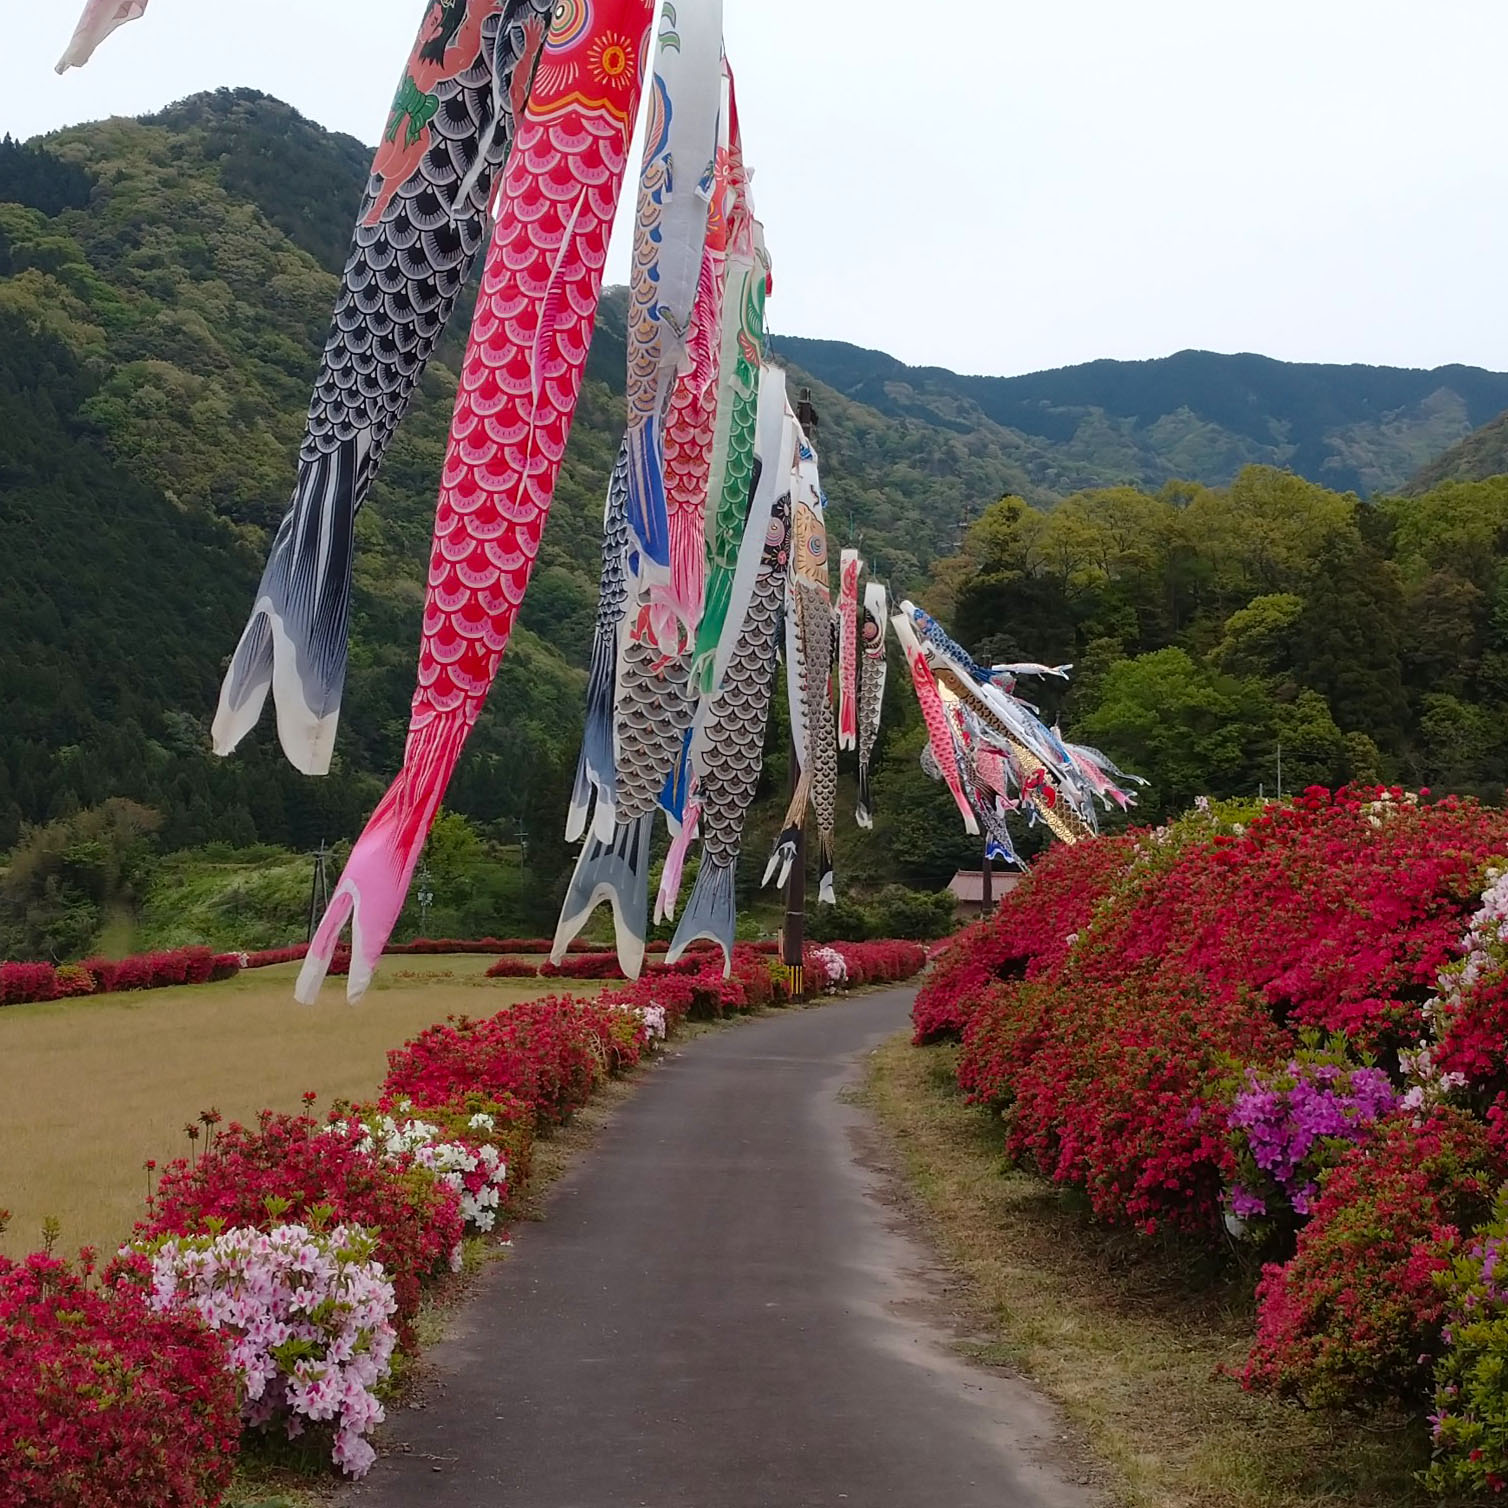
{"x": 100, "y": 18}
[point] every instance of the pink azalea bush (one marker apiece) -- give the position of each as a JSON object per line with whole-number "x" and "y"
{"x": 1287, "y": 1124}
{"x": 308, "y": 1315}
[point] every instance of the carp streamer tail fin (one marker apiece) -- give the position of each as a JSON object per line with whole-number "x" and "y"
{"x": 864, "y": 809}
{"x": 778, "y": 869}
{"x": 375, "y": 883}
{"x": 827, "y": 894}
{"x": 711, "y": 912}
{"x": 617, "y": 872}
{"x": 295, "y": 642}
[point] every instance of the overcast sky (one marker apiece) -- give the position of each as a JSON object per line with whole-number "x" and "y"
{"x": 1001, "y": 186}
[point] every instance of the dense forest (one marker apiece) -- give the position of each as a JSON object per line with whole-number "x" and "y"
{"x": 165, "y": 286}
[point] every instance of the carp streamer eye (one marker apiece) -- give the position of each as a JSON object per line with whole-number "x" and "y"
{"x": 569, "y": 22}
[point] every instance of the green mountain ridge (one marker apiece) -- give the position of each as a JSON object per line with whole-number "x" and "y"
{"x": 1194, "y": 416}
{"x": 1482, "y": 454}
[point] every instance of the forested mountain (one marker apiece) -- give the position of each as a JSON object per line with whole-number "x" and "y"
{"x": 1482, "y": 454}
{"x": 1194, "y": 415}
{"x": 165, "y": 287}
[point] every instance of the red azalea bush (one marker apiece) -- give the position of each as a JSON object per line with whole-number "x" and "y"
{"x": 881, "y": 962}
{"x": 551, "y": 1053}
{"x": 27, "y": 983}
{"x": 104, "y": 1404}
{"x": 513, "y": 968}
{"x": 269, "y": 957}
{"x": 1190, "y": 954}
{"x": 1115, "y": 1028}
{"x": 1000, "y": 1033}
{"x": 1356, "y": 1315}
{"x": 290, "y": 1169}
{"x": 1026, "y": 937}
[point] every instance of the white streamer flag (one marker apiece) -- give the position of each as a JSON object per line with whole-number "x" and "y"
{"x": 100, "y": 18}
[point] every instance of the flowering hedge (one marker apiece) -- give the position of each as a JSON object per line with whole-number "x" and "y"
{"x": 291, "y": 1169}
{"x": 30, "y": 983}
{"x": 1288, "y": 1024}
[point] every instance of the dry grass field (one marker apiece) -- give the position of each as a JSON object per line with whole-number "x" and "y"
{"x": 94, "y": 1088}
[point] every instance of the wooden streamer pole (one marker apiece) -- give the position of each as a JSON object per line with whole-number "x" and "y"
{"x": 793, "y": 939}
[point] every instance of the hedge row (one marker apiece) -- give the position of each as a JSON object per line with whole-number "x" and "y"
{"x": 1287, "y": 1025}
{"x": 34, "y": 983}
{"x": 29, "y": 983}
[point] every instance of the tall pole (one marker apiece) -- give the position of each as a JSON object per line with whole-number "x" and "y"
{"x": 793, "y": 940}
{"x": 987, "y": 875}
{"x": 319, "y": 891}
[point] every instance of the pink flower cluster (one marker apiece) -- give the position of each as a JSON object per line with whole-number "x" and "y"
{"x": 308, "y": 1314}
{"x": 1285, "y": 1125}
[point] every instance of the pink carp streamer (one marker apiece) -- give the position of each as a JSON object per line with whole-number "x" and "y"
{"x": 100, "y": 18}
{"x": 848, "y": 649}
{"x": 519, "y": 386}
{"x": 935, "y": 715}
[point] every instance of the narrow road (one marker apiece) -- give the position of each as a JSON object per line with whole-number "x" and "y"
{"x": 721, "y": 1310}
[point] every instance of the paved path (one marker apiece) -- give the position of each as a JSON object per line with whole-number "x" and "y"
{"x": 721, "y": 1310}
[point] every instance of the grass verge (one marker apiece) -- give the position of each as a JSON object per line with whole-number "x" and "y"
{"x": 1127, "y": 1334}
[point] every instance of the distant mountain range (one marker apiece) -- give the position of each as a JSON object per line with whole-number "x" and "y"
{"x": 1196, "y": 416}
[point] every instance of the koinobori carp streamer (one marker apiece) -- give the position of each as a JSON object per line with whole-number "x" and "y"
{"x": 420, "y": 227}
{"x": 519, "y": 386}
{"x": 100, "y": 18}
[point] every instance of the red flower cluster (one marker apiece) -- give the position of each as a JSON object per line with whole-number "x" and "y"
{"x": 1199, "y": 952}
{"x": 1026, "y": 937}
{"x": 550, "y": 1053}
{"x": 513, "y": 968}
{"x": 289, "y": 1168}
{"x": 881, "y": 962}
{"x": 104, "y": 1404}
{"x": 1356, "y": 1315}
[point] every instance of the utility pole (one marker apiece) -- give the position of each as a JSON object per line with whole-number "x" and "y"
{"x": 1280, "y": 769}
{"x": 793, "y": 940}
{"x": 426, "y": 898}
{"x": 987, "y": 875}
{"x": 319, "y": 891}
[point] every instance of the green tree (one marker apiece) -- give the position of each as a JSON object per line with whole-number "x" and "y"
{"x": 1184, "y": 727}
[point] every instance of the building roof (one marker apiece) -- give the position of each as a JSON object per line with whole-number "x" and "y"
{"x": 968, "y": 885}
